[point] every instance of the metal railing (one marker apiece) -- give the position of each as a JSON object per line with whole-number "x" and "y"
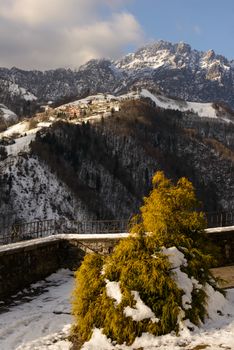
{"x": 30, "y": 230}
{"x": 23, "y": 231}
{"x": 98, "y": 226}
{"x": 219, "y": 219}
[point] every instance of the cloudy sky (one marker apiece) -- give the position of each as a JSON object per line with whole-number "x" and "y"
{"x": 46, "y": 34}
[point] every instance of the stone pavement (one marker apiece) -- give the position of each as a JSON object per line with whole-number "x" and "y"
{"x": 226, "y": 273}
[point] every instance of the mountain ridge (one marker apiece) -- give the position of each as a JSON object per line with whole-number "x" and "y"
{"x": 176, "y": 69}
{"x": 97, "y": 155}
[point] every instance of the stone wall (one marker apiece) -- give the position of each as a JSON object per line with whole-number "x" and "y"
{"x": 223, "y": 237}
{"x": 22, "y": 265}
{"x": 27, "y": 262}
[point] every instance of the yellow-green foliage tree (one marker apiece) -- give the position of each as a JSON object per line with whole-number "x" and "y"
{"x": 168, "y": 218}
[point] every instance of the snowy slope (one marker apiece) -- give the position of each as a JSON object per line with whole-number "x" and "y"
{"x": 16, "y": 90}
{"x": 23, "y": 135}
{"x": 206, "y": 110}
{"x": 21, "y": 145}
{"x": 203, "y": 110}
{"x": 100, "y": 106}
{"x": 36, "y": 193}
{"x": 7, "y": 114}
{"x": 40, "y": 322}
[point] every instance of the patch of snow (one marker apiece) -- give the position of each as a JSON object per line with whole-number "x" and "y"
{"x": 185, "y": 283}
{"x": 175, "y": 257}
{"x": 220, "y": 229}
{"x": 140, "y": 310}
{"x": 216, "y": 303}
{"x": 44, "y": 124}
{"x": 21, "y": 145}
{"x": 215, "y": 334}
{"x": 7, "y": 114}
{"x": 206, "y": 63}
{"x": 38, "y": 316}
{"x": 130, "y": 95}
{"x": 19, "y": 129}
{"x": 113, "y": 291}
{"x": 22, "y": 128}
{"x": 15, "y": 89}
{"x": 205, "y": 110}
{"x": 146, "y": 60}
{"x": 99, "y": 236}
{"x": 55, "y": 341}
{"x": 98, "y": 341}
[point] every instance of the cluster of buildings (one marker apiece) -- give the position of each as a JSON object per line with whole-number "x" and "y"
{"x": 98, "y": 105}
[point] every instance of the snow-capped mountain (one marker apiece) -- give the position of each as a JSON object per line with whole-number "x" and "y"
{"x": 173, "y": 56}
{"x": 176, "y": 69}
{"x": 181, "y": 72}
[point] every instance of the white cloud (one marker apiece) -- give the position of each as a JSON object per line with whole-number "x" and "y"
{"x": 35, "y": 12}
{"x": 106, "y": 38}
{"x": 47, "y": 34}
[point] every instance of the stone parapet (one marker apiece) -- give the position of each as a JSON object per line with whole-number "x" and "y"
{"x": 26, "y": 262}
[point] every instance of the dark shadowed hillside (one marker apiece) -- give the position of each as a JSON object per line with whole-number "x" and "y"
{"x": 109, "y": 164}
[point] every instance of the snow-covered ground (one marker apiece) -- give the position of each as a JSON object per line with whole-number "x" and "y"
{"x": 23, "y": 136}
{"x": 216, "y": 334}
{"x": 38, "y": 316}
{"x": 21, "y": 145}
{"x": 39, "y": 319}
{"x": 19, "y": 129}
{"x": 203, "y": 110}
{"x": 101, "y": 107}
{"x": 206, "y": 110}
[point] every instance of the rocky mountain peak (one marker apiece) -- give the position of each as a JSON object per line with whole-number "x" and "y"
{"x": 183, "y": 48}
{"x": 210, "y": 55}
{"x": 177, "y": 69}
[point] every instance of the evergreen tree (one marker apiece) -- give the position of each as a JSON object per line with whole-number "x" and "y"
{"x": 3, "y": 153}
{"x": 167, "y": 243}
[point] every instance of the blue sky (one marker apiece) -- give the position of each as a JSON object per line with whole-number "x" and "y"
{"x": 45, "y": 34}
{"x": 204, "y": 24}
